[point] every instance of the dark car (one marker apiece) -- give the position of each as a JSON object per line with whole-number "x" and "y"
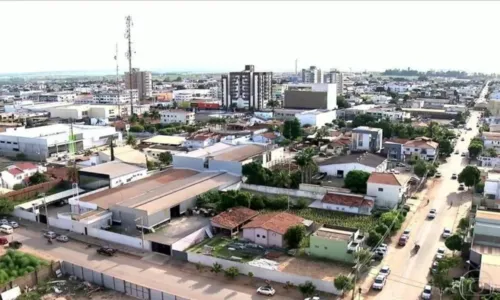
{"x": 402, "y": 240}
{"x": 15, "y": 245}
{"x": 106, "y": 251}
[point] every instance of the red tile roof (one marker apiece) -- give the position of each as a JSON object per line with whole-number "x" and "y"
{"x": 398, "y": 140}
{"x": 15, "y": 171}
{"x": 384, "y": 178}
{"x": 234, "y": 217}
{"x": 26, "y": 166}
{"x": 269, "y": 135}
{"x": 347, "y": 200}
{"x": 277, "y": 222}
{"x": 422, "y": 144}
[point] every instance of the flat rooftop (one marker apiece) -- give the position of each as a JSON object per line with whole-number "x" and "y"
{"x": 165, "y": 140}
{"x": 239, "y": 153}
{"x": 110, "y": 197}
{"x": 488, "y": 215}
{"x": 333, "y": 234}
{"x": 47, "y": 131}
{"x": 113, "y": 169}
{"x": 490, "y": 267}
{"x": 192, "y": 187}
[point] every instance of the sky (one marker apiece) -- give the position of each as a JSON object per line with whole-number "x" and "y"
{"x": 224, "y": 36}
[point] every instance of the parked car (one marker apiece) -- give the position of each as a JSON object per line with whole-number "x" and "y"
{"x": 384, "y": 271}
{"x": 456, "y": 151}
{"x": 439, "y": 254}
{"x": 446, "y": 233}
{"x": 462, "y": 139}
{"x": 454, "y": 176}
{"x": 382, "y": 247}
{"x": 4, "y": 222}
{"x": 62, "y": 238}
{"x": 403, "y": 240}
{"x": 15, "y": 244}
{"x": 106, "y": 251}
{"x": 461, "y": 187}
{"x": 313, "y": 298}
{"x": 379, "y": 282}
{"x": 7, "y": 229}
{"x": 13, "y": 224}
{"x": 406, "y": 232}
{"x": 432, "y": 214}
{"x": 438, "y": 175}
{"x": 434, "y": 267}
{"x": 3, "y": 241}
{"x": 50, "y": 235}
{"x": 464, "y": 154}
{"x": 427, "y": 292}
{"x": 266, "y": 290}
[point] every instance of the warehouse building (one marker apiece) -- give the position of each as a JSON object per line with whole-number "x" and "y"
{"x": 111, "y": 174}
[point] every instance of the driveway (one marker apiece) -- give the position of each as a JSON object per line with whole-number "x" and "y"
{"x": 173, "y": 277}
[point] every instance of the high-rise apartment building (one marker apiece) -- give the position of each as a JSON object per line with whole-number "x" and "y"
{"x": 141, "y": 81}
{"x": 247, "y": 89}
{"x": 336, "y": 77}
{"x": 312, "y": 75}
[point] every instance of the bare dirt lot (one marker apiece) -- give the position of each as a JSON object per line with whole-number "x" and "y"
{"x": 311, "y": 268}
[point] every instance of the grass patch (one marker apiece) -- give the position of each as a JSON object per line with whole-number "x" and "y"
{"x": 220, "y": 249}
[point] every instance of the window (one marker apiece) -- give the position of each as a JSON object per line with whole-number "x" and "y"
{"x": 258, "y": 235}
{"x": 263, "y": 236}
{"x": 407, "y": 149}
{"x": 380, "y": 189}
{"x": 416, "y": 150}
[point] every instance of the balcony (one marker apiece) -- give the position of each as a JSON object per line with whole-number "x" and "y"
{"x": 353, "y": 247}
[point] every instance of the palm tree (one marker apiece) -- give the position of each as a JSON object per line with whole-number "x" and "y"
{"x": 282, "y": 179}
{"x": 321, "y": 133}
{"x": 155, "y": 114}
{"x": 145, "y": 115}
{"x": 304, "y": 159}
{"x": 273, "y": 104}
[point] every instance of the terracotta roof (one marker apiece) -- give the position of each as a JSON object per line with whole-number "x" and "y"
{"x": 422, "y": 144}
{"x": 347, "y": 200}
{"x": 277, "y": 222}
{"x": 202, "y": 137}
{"x": 26, "y": 166}
{"x": 384, "y": 178}
{"x": 269, "y": 135}
{"x": 234, "y": 217}
{"x": 15, "y": 171}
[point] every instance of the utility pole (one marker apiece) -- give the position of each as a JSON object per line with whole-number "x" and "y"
{"x": 118, "y": 82}
{"x": 128, "y": 36}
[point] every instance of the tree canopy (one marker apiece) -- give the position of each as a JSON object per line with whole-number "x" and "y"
{"x": 454, "y": 243}
{"x": 294, "y": 235}
{"x": 291, "y": 129}
{"x": 165, "y": 158}
{"x": 469, "y": 176}
{"x": 356, "y": 181}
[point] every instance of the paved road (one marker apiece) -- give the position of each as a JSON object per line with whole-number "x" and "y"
{"x": 410, "y": 272}
{"x": 173, "y": 277}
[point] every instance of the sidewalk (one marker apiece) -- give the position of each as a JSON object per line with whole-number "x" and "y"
{"x": 83, "y": 238}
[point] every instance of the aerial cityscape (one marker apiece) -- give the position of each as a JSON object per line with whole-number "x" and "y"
{"x": 141, "y": 158}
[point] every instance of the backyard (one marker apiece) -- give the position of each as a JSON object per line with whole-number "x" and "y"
{"x": 221, "y": 245}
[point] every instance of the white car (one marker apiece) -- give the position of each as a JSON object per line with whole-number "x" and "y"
{"x": 379, "y": 282}
{"x": 4, "y": 222}
{"x": 432, "y": 214}
{"x": 266, "y": 290}
{"x": 427, "y": 292}
{"x": 384, "y": 271}
{"x": 438, "y": 175}
{"x": 406, "y": 232}
{"x": 50, "y": 234}
{"x": 13, "y": 224}
{"x": 62, "y": 238}
{"x": 382, "y": 248}
{"x": 446, "y": 233}
{"x": 313, "y": 298}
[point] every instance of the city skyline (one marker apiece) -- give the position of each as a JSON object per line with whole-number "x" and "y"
{"x": 210, "y": 37}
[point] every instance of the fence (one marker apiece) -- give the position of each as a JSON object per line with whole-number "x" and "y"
{"x": 282, "y": 191}
{"x": 33, "y": 278}
{"x": 276, "y": 276}
{"x": 31, "y": 191}
{"x": 126, "y": 240}
{"x": 67, "y": 224}
{"x": 24, "y": 214}
{"x": 116, "y": 284}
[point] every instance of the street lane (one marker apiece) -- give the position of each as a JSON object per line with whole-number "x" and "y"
{"x": 410, "y": 272}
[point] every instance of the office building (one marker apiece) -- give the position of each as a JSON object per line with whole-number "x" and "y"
{"x": 247, "y": 89}
{"x": 141, "y": 81}
{"x": 312, "y": 75}
{"x": 57, "y": 97}
{"x": 115, "y": 97}
{"x": 177, "y": 116}
{"x": 311, "y": 96}
{"x": 336, "y": 77}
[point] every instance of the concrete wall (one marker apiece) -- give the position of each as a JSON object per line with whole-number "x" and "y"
{"x": 282, "y": 277}
{"x": 330, "y": 249}
{"x": 334, "y": 168}
{"x": 192, "y": 239}
{"x": 67, "y": 224}
{"x": 186, "y": 162}
{"x": 24, "y": 214}
{"x": 135, "y": 242}
{"x": 233, "y": 167}
{"x": 282, "y": 191}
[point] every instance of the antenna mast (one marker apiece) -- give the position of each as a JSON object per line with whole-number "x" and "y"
{"x": 118, "y": 81}
{"x": 128, "y": 36}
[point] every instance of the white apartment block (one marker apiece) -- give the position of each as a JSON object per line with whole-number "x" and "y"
{"x": 57, "y": 97}
{"x": 312, "y": 75}
{"x": 336, "y": 77}
{"x": 177, "y": 116}
{"x": 115, "y": 97}
{"x": 188, "y": 95}
{"x": 317, "y": 118}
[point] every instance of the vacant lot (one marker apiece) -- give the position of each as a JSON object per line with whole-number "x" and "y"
{"x": 319, "y": 269}
{"x": 221, "y": 246}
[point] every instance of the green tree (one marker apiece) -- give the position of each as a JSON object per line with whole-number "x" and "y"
{"x": 231, "y": 272}
{"x": 392, "y": 218}
{"x": 381, "y": 228}
{"x": 281, "y": 179}
{"x": 292, "y": 129}
{"x": 18, "y": 186}
{"x": 362, "y": 256}
{"x": 469, "y": 176}
{"x": 454, "y": 242}
{"x": 463, "y": 224}
{"x": 273, "y": 104}
{"x": 445, "y": 147}
{"x": 38, "y": 178}
{"x": 322, "y": 133}
{"x": 150, "y": 165}
{"x": 341, "y": 123}
{"x": 475, "y": 148}
{"x": 356, "y": 181}
{"x": 420, "y": 168}
{"x": 294, "y": 235}
{"x": 20, "y": 156}
{"x": 362, "y": 120}
{"x": 373, "y": 238}
{"x": 307, "y": 288}
{"x": 6, "y": 206}
{"x": 145, "y": 115}
{"x": 307, "y": 165}
{"x": 216, "y": 268}
{"x": 134, "y": 118}
{"x": 343, "y": 283}
{"x": 165, "y": 158}
{"x": 342, "y": 102}
{"x": 131, "y": 140}
{"x": 137, "y": 128}
{"x": 491, "y": 152}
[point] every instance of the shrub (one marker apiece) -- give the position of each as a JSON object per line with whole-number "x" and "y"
{"x": 258, "y": 202}
{"x": 231, "y": 272}
{"x": 294, "y": 235}
{"x": 307, "y": 288}
{"x": 343, "y": 283}
{"x": 301, "y": 203}
{"x": 373, "y": 238}
{"x": 278, "y": 203}
{"x": 216, "y": 268}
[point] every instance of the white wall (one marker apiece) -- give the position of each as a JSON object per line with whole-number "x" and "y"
{"x": 332, "y": 169}
{"x": 342, "y": 208}
{"x": 388, "y": 197}
{"x": 128, "y": 178}
{"x": 67, "y": 224}
{"x": 276, "y": 276}
{"x": 282, "y": 191}
{"x": 24, "y": 214}
{"x": 119, "y": 238}
{"x": 491, "y": 187}
{"x": 194, "y": 238}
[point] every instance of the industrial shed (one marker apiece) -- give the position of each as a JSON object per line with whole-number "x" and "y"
{"x": 111, "y": 174}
